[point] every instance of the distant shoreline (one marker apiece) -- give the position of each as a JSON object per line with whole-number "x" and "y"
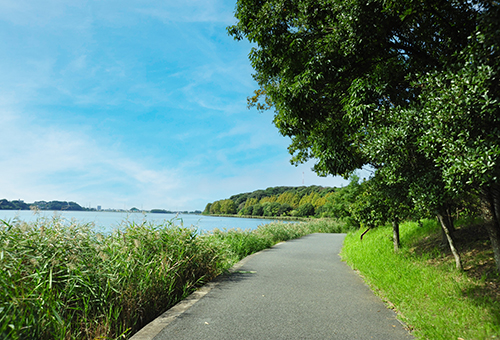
{"x": 278, "y": 218}
{"x": 73, "y": 206}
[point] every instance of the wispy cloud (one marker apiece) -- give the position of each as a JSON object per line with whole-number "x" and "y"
{"x": 128, "y": 103}
{"x": 189, "y": 11}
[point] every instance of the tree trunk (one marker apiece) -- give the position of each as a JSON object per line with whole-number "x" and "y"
{"x": 450, "y": 226}
{"x": 447, "y": 229}
{"x": 444, "y": 239}
{"x": 363, "y": 234}
{"x": 494, "y": 234}
{"x": 493, "y": 228}
{"x": 395, "y": 235}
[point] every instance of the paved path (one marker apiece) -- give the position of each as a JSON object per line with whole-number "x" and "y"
{"x": 298, "y": 289}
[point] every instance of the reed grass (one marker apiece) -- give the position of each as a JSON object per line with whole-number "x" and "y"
{"x": 63, "y": 280}
{"x": 241, "y": 243}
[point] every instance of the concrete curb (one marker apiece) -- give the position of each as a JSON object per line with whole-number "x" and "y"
{"x": 152, "y": 329}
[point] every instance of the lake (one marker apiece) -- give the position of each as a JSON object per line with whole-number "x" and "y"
{"x": 106, "y": 221}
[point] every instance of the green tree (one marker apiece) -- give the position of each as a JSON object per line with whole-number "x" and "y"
{"x": 305, "y": 210}
{"x": 307, "y": 199}
{"x": 13, "y": 205}
{"x": 341, "y": 73}
{"x": 378, "y": 203}
{"x": 339, "y": 203}
{"x": 272, "y": 209}
{"x": 227, "y": 207}
{"x": 407, "y": 169}
{"x": 289, "y": 197}
{"x": 268, "y": 199}
{"x": 462, "y": 120}
{"x": 207, "y": 209}
{"x": 284, "y": 209}
{"x": 215, "y": 208}
{"x": 251, "y": 202}
{"x": 247, "y": 211}
{"x": 257, "y": 210}
{"x": 327, "y": 65}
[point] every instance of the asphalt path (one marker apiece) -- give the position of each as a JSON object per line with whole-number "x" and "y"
{"x": 299, "y": 289}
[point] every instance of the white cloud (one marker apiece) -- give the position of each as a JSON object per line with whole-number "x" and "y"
{"x": 188, "y": 11}
{"x": 52, "y": 163}
{"x": 45, "y": 14}
{"x": 80, "y": 89}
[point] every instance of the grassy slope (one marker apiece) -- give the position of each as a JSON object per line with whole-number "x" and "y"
{"x": 420, "y": 282}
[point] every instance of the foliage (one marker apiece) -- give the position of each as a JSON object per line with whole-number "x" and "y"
{"x": 207, "y": 208}
{"x": 273, "y": 201}
{"x": 160, "y": 211}
{"x": 13, "y": 205}
{"x": 408, "y": 87}
{"x": 306, "y": 209}
{"x": 41, "y": 205}
{"x": 272, "y": 209}
{"x": 65, "y": 281}
{"x": 57, "y": 205}
{"x": 330, "y": 67}
{"x": 258, "y": 210}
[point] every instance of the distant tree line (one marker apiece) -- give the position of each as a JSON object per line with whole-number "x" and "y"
{"x": 163, "y": 211}
{"x": 277, "y": 201}
{"x": 361, "y": 203}
{"x": 41, "y": 205}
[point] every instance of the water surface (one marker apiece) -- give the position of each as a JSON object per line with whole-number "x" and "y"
{"x": 105, "y": 221}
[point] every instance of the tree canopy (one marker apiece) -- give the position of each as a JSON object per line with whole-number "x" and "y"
{"x": 330, "y": 68}
{"x": 408, "y": 87}
{"x": 42, "y": 205}
{"x": 275, "y": 201}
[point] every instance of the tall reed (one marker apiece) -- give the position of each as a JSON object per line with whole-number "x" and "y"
{"x": 63, "y": 280}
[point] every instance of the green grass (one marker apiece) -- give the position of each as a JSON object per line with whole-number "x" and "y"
{"x": 240, "y": 243}
{"x": 435, "y": 300}
{"x": 61, "y": 280}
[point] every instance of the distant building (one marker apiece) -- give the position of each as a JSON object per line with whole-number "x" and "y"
{"x": 98, "y": 208}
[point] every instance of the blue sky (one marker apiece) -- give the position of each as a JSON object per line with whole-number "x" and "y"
{"x": 133, "y": 103}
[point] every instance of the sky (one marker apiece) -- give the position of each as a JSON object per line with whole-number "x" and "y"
{"x": 123, "y": 103}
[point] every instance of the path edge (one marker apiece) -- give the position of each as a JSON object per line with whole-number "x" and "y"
{"x": 152, "y": 329}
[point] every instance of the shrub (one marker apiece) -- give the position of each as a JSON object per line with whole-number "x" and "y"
{"x": 258, "y": 210}
{"x": 304, "y": 210}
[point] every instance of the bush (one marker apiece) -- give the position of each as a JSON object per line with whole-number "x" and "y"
{"x": 258, "y": 210}
{"x": 284, "y": 209}
{"x": 305, "y": 210}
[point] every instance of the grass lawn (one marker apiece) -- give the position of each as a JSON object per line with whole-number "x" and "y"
{"x": 422, "y": 285}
